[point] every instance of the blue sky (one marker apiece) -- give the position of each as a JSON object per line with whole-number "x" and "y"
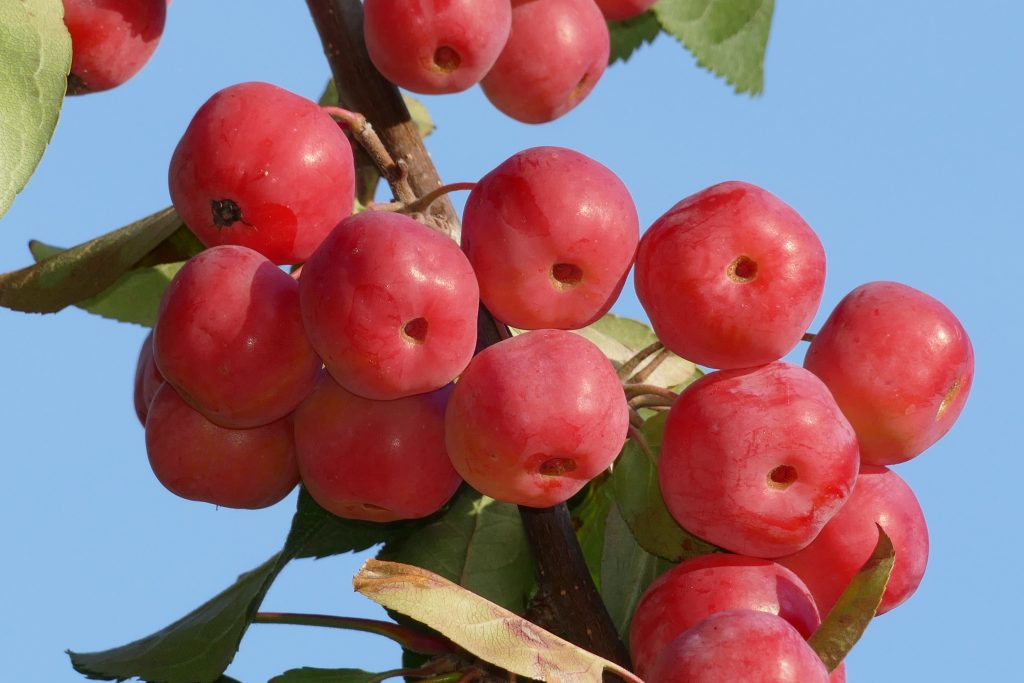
{"x": 895, "y": 129}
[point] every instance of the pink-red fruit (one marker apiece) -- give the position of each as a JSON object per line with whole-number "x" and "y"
{"x": 619, "y": 10}
{"x": 229, "y": 337}
{"x": 236, "y": 468}
{"x": 555, "y": 54}
{"x": 435, "y": 46}
{"x": 264, "y": 168}
{"x": 740, "y": 646}
{"x": 900, "y": 366}
{"x": 757, "y": 460}
{"x": 551, "y": 234}
{"x": 701, "y": 586}
{"x": 730, "y": 277}
{"x": 390, "y": 305}
{"x": 147, "y": 379}
{"x": 374, "y": 460}
{"x": 829, "y": 563}
{"x": 535, "y": 417}
{"x": 111, "y": 40}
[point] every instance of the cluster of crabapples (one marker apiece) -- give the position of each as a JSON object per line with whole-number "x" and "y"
{"x": 534, "y": 59}
{"x": 359, "y": 374}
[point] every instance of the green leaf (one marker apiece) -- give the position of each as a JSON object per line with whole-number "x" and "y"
{"x": 620, "y": 338}
{"x": 627, "y": 36}
{"x": 856, "y": 607}
{"x": 335, "y": 535}
{"x": 589, "y": 519}
{"x": 313, "y": 675}
{"x": 35, "y": 56}
{"x": 479, "y": 543}
{"x": 626, "y": 571}
{"x": 638, "y": 496}
{"x": 200, "y": 645}
{"x": 728, "y": 37}
{"x": 485, "y": 629}
{"x": 197, "y": 647}
{"x": 133, "y": 298}
{"x": 85, "y": 271}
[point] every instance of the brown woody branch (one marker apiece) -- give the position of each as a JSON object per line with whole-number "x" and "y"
{"x": 562, "y": 574}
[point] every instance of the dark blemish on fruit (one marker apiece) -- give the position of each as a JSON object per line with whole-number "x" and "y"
{"x": 555, "y": 467}
{"x": 948, "y": 399}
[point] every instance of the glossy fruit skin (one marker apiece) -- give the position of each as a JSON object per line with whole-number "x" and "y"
{"x": 147, "y": 379}
{"x": 264, "y": 168}
{"x": 364, "y": 290}
{"x": 111, "y": 40}
{"x": 757, "y": 460}
{"x": 229, "y": 337}
{"x": 845, "y": 543}
{"x": 740, "y": 646}
{"x": 730, "y": 277}
{"x": 699, "y": 587}
{"x": 374, "y": 460}
{"x": 900, "y": 365}
{"x": 620, "y": 10}
{"x": 555, "y": 54}
{"x": 236, "y": 468}
{"x": 435, "y": 46}
{"x": 535, "y": 417}
{"x": 838, "y": 674}
{"x": 546, "y": 208}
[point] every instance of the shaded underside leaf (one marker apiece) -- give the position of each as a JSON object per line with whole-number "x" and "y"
{"x": 728, "y": 37}
{"x": 313, "y": 675}
{"x": 133, "y": 298}
{"x": 638, "y": 496}
{"x": 487, "y": 630}
{"x": 478, "y": 543}
{"x": 627, "y": 36}
{"x": 626, "y": 571}
{"x": 589, "y": 519}
{"x": 856, "y": 607}
{"x": 85, "y": 271}
{"x": 35, "y": 56}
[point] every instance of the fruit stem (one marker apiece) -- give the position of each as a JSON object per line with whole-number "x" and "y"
{"x": 396, "y": 174}
{"x": 650, "y": 401}
{"x": 637, "y": 358}
{"x": 424, "y": 202}
{"x": 808, "y": 337}
{"x": 410, "y": 639}
{"x": 645, "y": 372}
{"x": 634, "y": 390}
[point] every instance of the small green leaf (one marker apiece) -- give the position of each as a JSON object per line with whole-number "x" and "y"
{"x": 197, "y": 647}
{"x": 856, "y": 607}
{"x": 728, "y": 37}
{"x": 626, "y": 571}
{"x": 485, "y": 629}
{"x": 313, "y": 675}
{"x": 479, "y": 543}
{"x": 620, "y": 338}
{"x": 589, "y": 519}
{"x": 627, "y": 36}
{"x": 335, "y": 535}
{"x": 85, "y": 271}
{"x": 638, "y": 496}
{"x": 35, "y": 56}
{"x": 133, "y": 298}
{"x": 420, "y": 116}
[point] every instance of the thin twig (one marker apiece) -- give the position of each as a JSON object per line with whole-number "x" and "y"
{"x": 634, "y": 390}
{"x": 634, "y": 361}
{"x": 646, "y": 371}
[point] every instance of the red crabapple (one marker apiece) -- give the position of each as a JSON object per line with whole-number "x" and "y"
{"x": 374, "y": 460}
{"x": 838, "y": 674}
{"x": 740, "y": 646}
{"x": 237, "y": 468}
{"x": 730, "y": 277}
{"x": 900, "y": 366}
{"x": 701, "y": 586}
{"x": 829, "y": 563}
{"x": 147, "y": 379}
{"x": 535, "y": 417}
{"x": 757, "y": 460}
{"x": 229, "y": 337}
{"x": 435, "y": 46}
{"x": 556, "y": 52}
{"x": 619, "y": 10}
{"x": 551, "y": 235}
{"x": 390, "y": 305}
{"x": 111, "y": 40}
{"x": 264, "y": 168}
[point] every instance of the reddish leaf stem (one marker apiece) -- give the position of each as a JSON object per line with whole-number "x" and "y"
{"x": 410, "y": 639}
